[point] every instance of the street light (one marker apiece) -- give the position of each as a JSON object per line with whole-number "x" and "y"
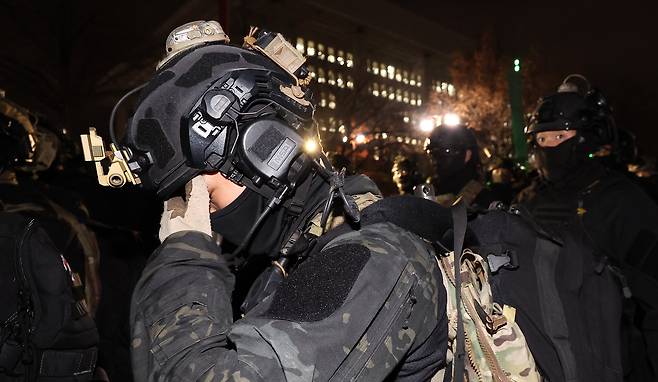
{"x": 427, "y": 125}
{"x": 451, "y": 120}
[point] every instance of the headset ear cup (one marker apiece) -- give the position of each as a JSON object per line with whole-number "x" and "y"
{"x": 270, "y": 147}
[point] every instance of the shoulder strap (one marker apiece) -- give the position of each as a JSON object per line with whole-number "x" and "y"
{"x": 423, "y": 217}
{"x": 459, "y": 231}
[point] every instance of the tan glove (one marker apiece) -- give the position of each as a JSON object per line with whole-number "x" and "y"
{"x": 192, "y": 214}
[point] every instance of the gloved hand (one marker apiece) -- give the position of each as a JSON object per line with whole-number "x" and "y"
{"x": 192, "y": 214}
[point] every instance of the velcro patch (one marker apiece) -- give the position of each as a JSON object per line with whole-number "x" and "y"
{"x": 320, "y": 285}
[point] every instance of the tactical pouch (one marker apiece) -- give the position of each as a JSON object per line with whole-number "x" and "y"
{"x": 495, "y": 346}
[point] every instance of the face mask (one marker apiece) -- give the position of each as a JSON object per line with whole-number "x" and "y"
{"x": 235, "y": 221}
{"x": 453, "y": 173}
{"x": 555, "y": 163}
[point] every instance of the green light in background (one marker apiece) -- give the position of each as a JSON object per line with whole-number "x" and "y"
{"x": 590, "y": 155}
{"x": 517, "y": 68}
{"x": 517, "y": 62}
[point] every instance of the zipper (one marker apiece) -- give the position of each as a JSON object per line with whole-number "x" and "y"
{"x": 408, "y": 301}
{"x": 405, "y": 300}
{"x": 471, "y": 356}
{"x": 19, "y": 248}
{"x": 24, "y": 297}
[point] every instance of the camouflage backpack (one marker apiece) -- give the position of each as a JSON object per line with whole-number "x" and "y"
{"x": 495, "y": 346}
{"x": 481, "y": 331}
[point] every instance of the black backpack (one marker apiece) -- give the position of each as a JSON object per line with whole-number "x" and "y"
{"x": 568, "y": 302}
{"x": 45, "y": 332}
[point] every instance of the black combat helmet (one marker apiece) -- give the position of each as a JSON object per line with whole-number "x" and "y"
{"x": 576, "y": 106}
{"x": 447, "y": 140}
{"x": 243, "y": 111}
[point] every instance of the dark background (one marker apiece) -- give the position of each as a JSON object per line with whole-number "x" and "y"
{"x": 613, "y": 43}
{"x": 72, "y": 59}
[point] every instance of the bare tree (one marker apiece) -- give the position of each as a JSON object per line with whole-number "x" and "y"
{"x": 481, "y": 97}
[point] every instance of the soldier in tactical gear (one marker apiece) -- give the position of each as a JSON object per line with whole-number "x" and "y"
{"x": 406, "y": 174}
{"x": 232, "y": 129}
{"x": 455, "y": 154}
{"x": 576, "y": 196}
{"x": 28, "y": 147}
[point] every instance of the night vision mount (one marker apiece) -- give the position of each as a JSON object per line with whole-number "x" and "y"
{"x": 112, "y": 168}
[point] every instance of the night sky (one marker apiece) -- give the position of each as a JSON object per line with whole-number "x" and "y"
{"x": 612, "y": 43}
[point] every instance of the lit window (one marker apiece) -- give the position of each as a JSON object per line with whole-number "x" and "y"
{"x": 405, "y": 98}
{"x": 406, "y": 119}
{"x": 311, "y": 71}
{"x": 400, "y": 139}
{"x": 382, "y": 70}
{"x": 375, "y": 67}
{"x": 323, "y": 100}
{"x": 320, "y": 51}
{"x": 391, "y": 93}
{"x": 300, "y": 44}
{"x": 451, "y": 90}
{"x": 405, "y": 77}
{"x": 418, "y": 81}
{"x": 350, "y": 82}
{"x": 331, "y": 77}
{"x": 321, "y": 78}
{"x": 444, "y": 87}
{"x": 384, "y": 135}
{"x": 375, "y": 89}
{"x": 368, "y": 66}
{"x": 390, "y": 70}
{"x": 310, "y": 49}
{"x": 398, "y": 75}
{"x": 339, "y": 81}
{"x": 340, "y": 57}
{"x": 406, "y": 140}
{"x": 350, "y": 60}
{"x": 332, "y": 105}
{"x": 384, "y": 93}
{"x": 331, "y": 57}
{"x": 412, "y": 79}
{"x": 413, "y": 99}
{"x": 414, "y": 141}
{"x": 398, "y": 95}
{"x": 341, "y": 128}
{"x": 419, "y": 101}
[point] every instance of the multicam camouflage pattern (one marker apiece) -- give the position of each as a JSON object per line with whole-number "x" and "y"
{"x": 392, "y": 321}
{"x": 362, "y": 201}
{"x": 495, "y": 352}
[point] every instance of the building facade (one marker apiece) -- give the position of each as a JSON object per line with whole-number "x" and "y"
{"x": 374, "y": 63}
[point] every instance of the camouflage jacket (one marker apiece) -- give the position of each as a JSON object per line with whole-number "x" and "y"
{"x": 369, "y": 305}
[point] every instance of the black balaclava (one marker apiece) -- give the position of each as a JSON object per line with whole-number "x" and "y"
{"x": 448, "y": 148}
{"x": 235, "y": 221}
{"x": 453, "y": 173}
{"x": 556, "y": 163}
